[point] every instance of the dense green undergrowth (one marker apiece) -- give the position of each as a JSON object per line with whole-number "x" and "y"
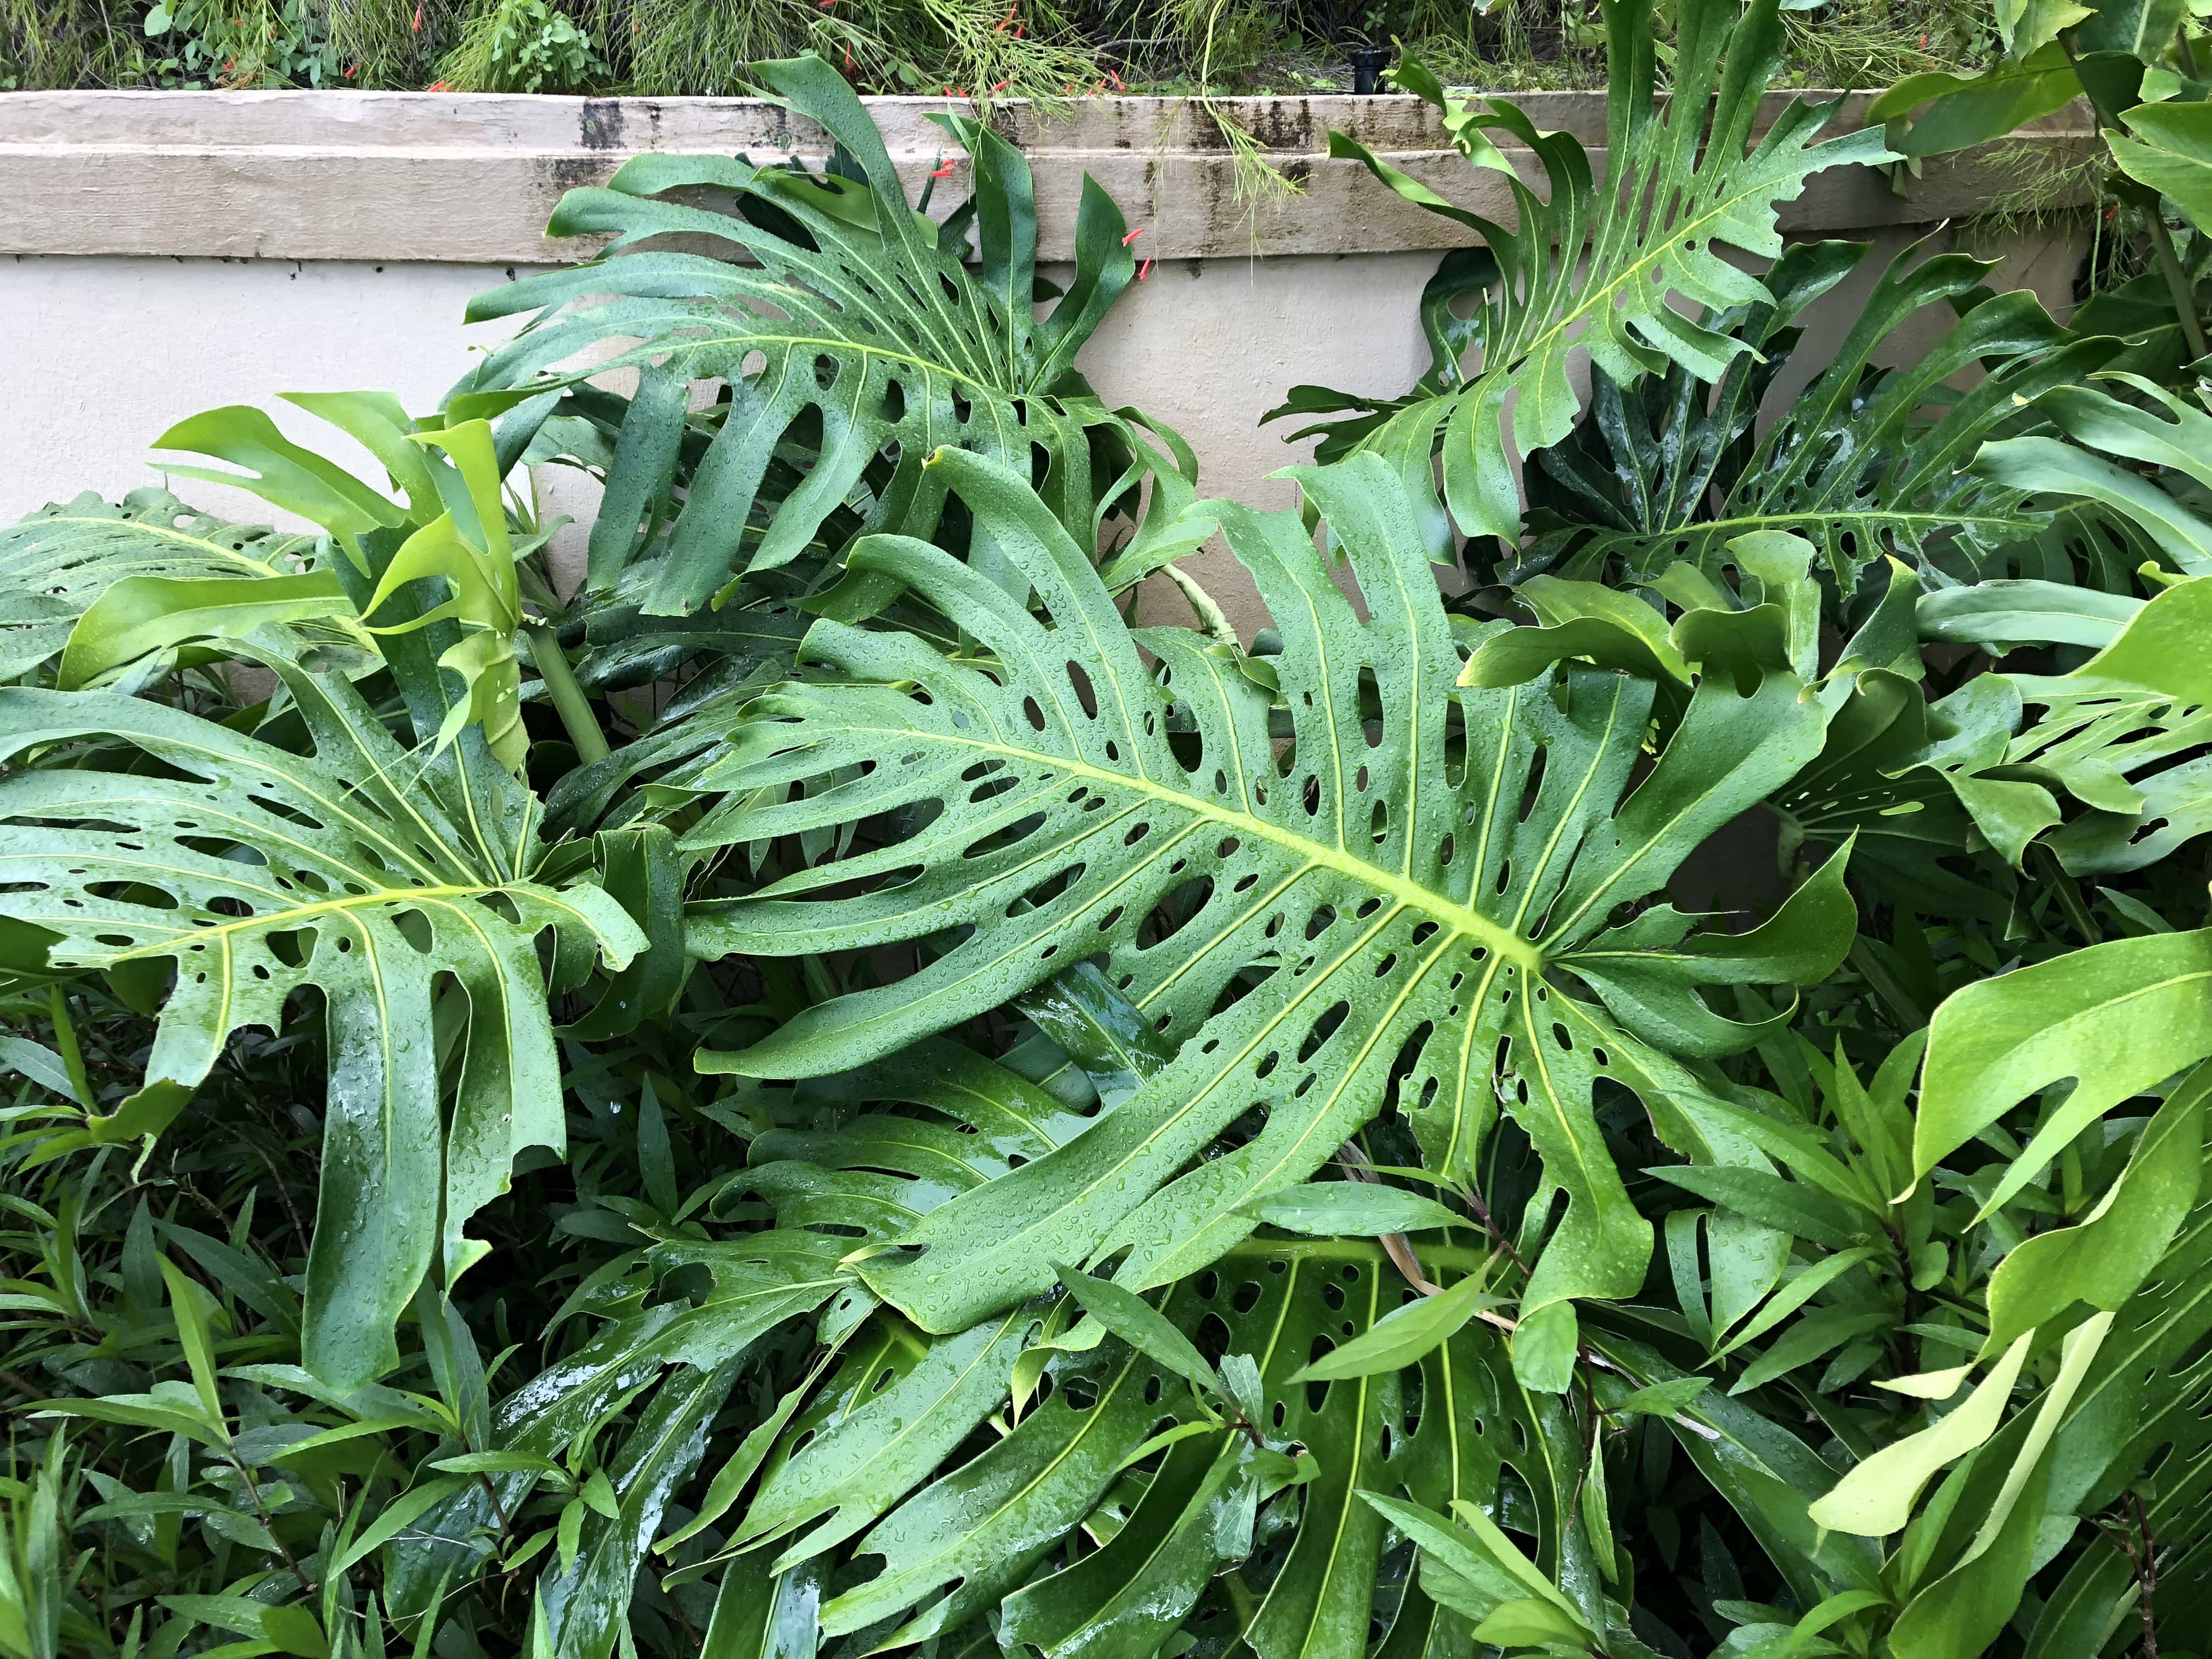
{"x": 819, "y": 1092}
{"x": 1051, "y": 50}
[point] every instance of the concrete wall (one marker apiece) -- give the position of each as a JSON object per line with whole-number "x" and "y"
{"x": 168, "y": 253}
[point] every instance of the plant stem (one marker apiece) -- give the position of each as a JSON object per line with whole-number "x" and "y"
{"x": 568, "y": 699}
{"x": 65, "y": 1041}
{"x": 268, "y": 1521}
{"x": 2169, "y": 262}
{"x": 1490, "y": 1225}
{"x": 2176, "y": 281}
{"x": 2147, "y": 1578}
{"x": 2188, "y": 53}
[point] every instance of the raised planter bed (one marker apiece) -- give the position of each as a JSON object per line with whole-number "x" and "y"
{"x": 471, "y": 179}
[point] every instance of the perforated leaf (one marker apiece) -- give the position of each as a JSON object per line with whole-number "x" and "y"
{"x": 858, "y": 343}
{"x": 56, "y": 561}
{"x": 255, "y": 872}
{"x": 1857, "y": 464}
{"x": 1685, "y": 181}
{"x": 1377, "y": 909}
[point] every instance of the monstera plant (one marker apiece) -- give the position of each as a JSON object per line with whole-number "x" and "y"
{"x": 827, "y": 1092}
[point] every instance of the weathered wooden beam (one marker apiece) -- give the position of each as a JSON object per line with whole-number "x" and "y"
{"x": 471, "y": 179}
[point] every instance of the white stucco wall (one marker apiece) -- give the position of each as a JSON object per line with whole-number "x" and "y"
{"x": 105, "y": 352}
{"x": 166, "y": 253}
{"x": 111, "y": 351}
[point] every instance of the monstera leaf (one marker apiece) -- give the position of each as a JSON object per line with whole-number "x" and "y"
{"x": 1855, "y": 464}
{"x": 1684, "y": 182}
{"x": 1656, "y": 452}
{"x": 2169, "y": 436}
{"x": 1444, "y": 1426}
{"x": 1386, "y": 909}
{"x": 856, "y": 345}
{"x": 58, "y": 561}
{"x": 2126, "y": 735}
{"x": 240, "y": 873}
{"x": 875, "y": 1503}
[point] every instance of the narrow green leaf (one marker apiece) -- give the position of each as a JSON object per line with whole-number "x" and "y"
{"x": 1797, "y": 1292}
{"x": 1356, "y": 1209}
{"x": 189, "y": 1310}
{"x": 402, "y": 1512}
{"x": 1139, "y": 1324}
{"x": 1403, "y": 1336}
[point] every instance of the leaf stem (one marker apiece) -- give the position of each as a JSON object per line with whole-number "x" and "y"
{"x": 2176, "y": 280}
{"x": 65, "y": 1041}
{"x": 2161, "y": 243}
{"x": 2146, "y": 1566}
{"x": 568, "y": 699}
{"x": 268, "y": 1521}
{"x": 1490, "y": 1225}
{"x": 1211, "y": 616}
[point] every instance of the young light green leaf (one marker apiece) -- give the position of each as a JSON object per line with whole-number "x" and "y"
{"x": 1961, "y": 1613}
{"x": 141, "y": 615}
{"x": 2104, "y": 1258}
{"x": 1875, "y": 1499}
{"x": 1532, "y": 1622}
{"x": 1928, "y": 1385}
{"x": 1546, "y": 1344}
{"x": 2117, "y": 1018}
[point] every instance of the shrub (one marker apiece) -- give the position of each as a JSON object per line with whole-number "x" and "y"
{"x": 828, "y": 1092}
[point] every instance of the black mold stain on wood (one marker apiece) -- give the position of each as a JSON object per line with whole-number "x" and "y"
{"x": 574, "y": 172}
{"x": 601, "y": 124}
